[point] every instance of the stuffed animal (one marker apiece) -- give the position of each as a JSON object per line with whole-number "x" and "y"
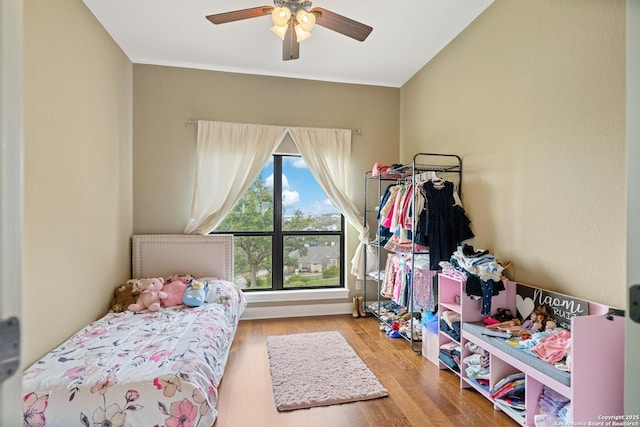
{"x": 195, "y": 294}
{"x": 186, "y": 278}
{"x": 174, "y": 286}
{"x": 150, "y": 295}
{"x": 124, "y": 295}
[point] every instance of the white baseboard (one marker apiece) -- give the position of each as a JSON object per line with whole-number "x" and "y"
{"x": 297, "y": 295}
{"x": 254, "y": 313}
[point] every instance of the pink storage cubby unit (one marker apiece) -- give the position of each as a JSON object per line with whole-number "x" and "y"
{"x": 595, "y": 384}
{"x": 452, "y": 297}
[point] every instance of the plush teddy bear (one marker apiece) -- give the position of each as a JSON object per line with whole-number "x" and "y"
{"x": 174, "y": 286}
{"x": 150, "y": 294}
{"x": 124, "y": 295}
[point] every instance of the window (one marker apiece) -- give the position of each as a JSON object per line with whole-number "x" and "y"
{"x": 288, "y": 235}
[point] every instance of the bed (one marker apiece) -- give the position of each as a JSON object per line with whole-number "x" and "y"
{"x": 151, "y": 368}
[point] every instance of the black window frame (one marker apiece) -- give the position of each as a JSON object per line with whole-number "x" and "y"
{"x": 278, "y": 235}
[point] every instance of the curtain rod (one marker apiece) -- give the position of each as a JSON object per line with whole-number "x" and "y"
{"x": 191, "y": 121}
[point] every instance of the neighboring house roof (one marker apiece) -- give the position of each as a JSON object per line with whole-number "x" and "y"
{"x": 317, "y": 254}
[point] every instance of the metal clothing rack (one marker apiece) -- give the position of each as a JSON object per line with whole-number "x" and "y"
{"x": 446, "y": 166}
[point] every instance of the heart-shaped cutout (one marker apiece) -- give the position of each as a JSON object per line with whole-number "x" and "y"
{"x": 524, "y": 306}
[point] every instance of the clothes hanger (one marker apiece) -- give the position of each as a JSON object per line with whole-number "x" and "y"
{"x": 438, "y": 183}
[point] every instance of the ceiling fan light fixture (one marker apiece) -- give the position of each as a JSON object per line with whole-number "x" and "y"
{"x": 281, "y": 16}
{"x": 306, "y": 20}
{"x": 279, "y": 31}
{"x": 293, "y": 21}
{"x": 301, "y": 34}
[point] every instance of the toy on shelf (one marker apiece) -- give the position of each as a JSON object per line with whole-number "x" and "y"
{"x": 537, "y": 320}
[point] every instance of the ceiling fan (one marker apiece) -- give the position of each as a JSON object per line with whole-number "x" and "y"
{"x": 293, "y": 21}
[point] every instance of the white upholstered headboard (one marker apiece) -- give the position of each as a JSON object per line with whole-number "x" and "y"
{"x": 160, "y": 255}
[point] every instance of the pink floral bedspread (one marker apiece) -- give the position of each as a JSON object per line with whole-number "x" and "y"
{"x": 145, "y": 369}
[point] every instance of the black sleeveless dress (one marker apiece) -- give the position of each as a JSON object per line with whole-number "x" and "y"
{"x": 447, "y": 223}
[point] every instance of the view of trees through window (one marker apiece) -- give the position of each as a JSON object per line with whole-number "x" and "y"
{"x": 287, "y": 233}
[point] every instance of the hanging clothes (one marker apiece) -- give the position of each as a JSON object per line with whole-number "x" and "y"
{"x": 386, "y": 290}
{"x": 400, "y": 282}
{"x": 446, "y": 226}
{"x": 383, "y": 233}
{"x": 423, "y": 289}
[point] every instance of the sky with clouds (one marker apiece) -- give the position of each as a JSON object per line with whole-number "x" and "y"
{"x": 299, "y": 189}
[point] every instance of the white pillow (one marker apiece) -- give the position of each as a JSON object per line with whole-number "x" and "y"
{"x": 218, "y": 290}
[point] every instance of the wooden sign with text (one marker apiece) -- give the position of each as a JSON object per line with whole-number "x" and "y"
{"x": 560, "y": 308}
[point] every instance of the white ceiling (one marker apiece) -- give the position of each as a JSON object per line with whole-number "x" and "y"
{"x": 406, "y": 35}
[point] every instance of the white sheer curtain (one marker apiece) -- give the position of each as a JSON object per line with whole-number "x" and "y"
{"x": 327, "y": 152}
{"x": 229, "y": 156}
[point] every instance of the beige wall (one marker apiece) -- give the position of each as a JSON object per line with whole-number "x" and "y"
{"x": 164, "y": 149}
{"x": 78, "y": 161}
{"x": 532, "y": 96}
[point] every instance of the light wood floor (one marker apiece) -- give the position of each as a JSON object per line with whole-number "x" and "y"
{"x": 419, "y": 393}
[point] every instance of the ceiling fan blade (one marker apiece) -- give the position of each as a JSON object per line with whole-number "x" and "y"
{"x": 290, "y": 45}
{"x": 341, "y": 24}
{"x": 237, "y": 15}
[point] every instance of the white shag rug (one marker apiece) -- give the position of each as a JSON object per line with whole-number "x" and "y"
{"x": 318, "y": 369}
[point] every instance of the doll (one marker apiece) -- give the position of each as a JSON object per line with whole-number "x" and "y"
{"x": 527, "y": 324}
{"x": 536, "y": 321}
{"x": 550, "y": 325}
